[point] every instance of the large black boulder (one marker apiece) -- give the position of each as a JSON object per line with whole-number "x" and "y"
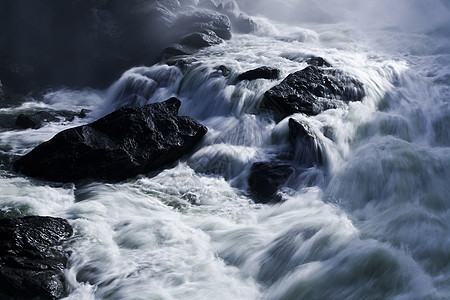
{"x": 125, "y": 143}
{"x": 260, "y": 73}
{"x": 313, "y": 90}
{"x": 266, "y": 178}
{"x": 31, "y": 260}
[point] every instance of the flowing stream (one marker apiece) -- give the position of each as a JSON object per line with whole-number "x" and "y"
{"x": 374, "y": 225}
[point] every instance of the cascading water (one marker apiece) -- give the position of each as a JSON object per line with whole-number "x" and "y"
{"x": 372, "y": 222}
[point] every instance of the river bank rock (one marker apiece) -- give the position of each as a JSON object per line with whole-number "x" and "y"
{"x": 123, "y": 144}
{"x": 260, "y": 73}
{"x": 266, "y": 178}
{"x": 31, "y": 260}
{"x": 312, "y": 91}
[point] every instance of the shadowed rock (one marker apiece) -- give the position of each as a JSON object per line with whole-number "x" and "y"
{"x": 31, "y": 263}
{"x": 307, "y": 150}
{"x": 260, "y": 73}
{"x": 102, "y": 38}
{"x": 317, "y": 61}
{"x": 35, "y": 120}
{"x": 312, "y": 91}
{"x": 203, "y": 39}
{"x": 38, "y": 119}
{"x": 266, "y": 178}
{"x": 125, "y": 143}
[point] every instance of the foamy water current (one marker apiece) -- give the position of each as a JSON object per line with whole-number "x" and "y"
{"x": 374, "y": 225}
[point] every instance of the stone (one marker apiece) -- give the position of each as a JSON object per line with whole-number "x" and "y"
{"x": 200, "y": 20}
{"x": 38, "y": 119}
{"x": 312, "y": 91}
{"x": 198, "y": 40}
{"x": 35, "y": 120}
{"x": 31, "y": 259}
{"x": 177, "y": 49}
{"x": 266, "y": 178}
{"x": 307, "y": 150}
{"x": 317, "y": 61}
{"x": 260, "y": 73}
{"x": 123, "y": 144}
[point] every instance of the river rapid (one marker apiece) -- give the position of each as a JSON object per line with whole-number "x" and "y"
{"x": 374, "y": 225}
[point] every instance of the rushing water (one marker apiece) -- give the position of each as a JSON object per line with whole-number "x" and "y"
{"x": 376, "y": 225}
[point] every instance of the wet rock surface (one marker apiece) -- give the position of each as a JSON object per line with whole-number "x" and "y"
{"x": 38, "y": 119}
{"x": 307, "y": 150}
{"x": 312, "y": 91}
{"x": 266, "y": 178}
{"x": 123, "y": 144}
{"x": 31, "y": 259}
{"x": 260, "y": 73}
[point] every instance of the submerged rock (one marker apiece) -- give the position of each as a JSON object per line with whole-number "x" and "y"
{"x": 31, "y": 261}
{"x": 312, "y": 91}
{"x": 38, "y": 119}
{"x": 266, "y": 178}
{"x": 260, "y": 73}
{"x": 125, "y": 143}
{"x": 307, "y": 150}
{"x": 35, "y": 120}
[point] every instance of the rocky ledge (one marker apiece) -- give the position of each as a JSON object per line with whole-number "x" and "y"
{"x": 123, "y": 144}
{"x": 31, "y": 259}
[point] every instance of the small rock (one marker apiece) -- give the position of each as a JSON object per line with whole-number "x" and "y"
{"x": 307, "y": 150}
{"x": 35, "y": 120}
{"x": 266, "y": 178}
{"x": 260, "y": 73}
{"x": 317, "y": 62}
{"x": 198, "y": 40}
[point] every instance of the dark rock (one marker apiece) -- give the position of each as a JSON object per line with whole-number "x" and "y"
{"x": 266, "y": 178}
{"x": 125, "y": 143}
{"x": 198, "y": 21}
{"x": 38, "y": 119}
{"x": 317, "y": 61}
{"x": 312, "y": 91}
{"x": 31, "y": 260}
{"x": 200, "y": 40}
{"x": 35, "y": 120}
{"x": 260, "y": 73}
{"x": 307, "y": 150}
{"x": 224, "y": 70}
{"x": 83, "y": 113}
{"x": 178, "y": 49}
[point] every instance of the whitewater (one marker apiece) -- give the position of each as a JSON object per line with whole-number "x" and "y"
{"x": 374, "y": 223}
